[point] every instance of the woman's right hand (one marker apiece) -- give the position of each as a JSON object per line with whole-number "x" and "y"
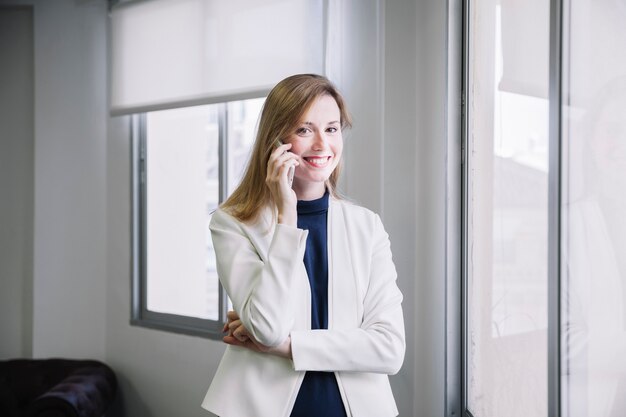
{"x": 283, "y": 195}
{"x": 238, "y": 336}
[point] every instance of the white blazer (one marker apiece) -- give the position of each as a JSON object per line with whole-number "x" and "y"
{"x": 261, "y": 269}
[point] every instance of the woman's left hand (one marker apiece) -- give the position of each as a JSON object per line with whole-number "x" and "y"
{"x": 238, "y": 335}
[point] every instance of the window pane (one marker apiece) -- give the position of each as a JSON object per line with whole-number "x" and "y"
{"x": 242, "y": 122}
{"x": 242, "y": 126}
{"x": 594, "y": 210}
{"x": 507, "y": 209}
{"x": 182, "y": 179}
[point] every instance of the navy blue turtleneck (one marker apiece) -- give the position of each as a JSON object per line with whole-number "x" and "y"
{"x": 319, "y": 394}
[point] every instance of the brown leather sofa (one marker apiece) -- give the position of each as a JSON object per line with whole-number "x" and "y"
{"x": 55, "y": 388}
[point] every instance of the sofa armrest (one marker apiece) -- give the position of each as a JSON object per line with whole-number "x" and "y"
{"x": 85, "y": 392}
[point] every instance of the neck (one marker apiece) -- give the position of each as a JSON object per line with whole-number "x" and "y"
{"x": 309, "y": 191}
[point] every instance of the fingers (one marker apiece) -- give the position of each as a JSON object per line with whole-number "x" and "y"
{"x": 248, "y": 344}
{"x": 279, "y": 169}
{"x": 232, "y": 325}
{"x": 237, "y": 333}
{"x": 251, "y": 343}
{"x": 236, "y": 329}
{"x": 231, "y": 340}
{"x": 238, "y": 336}
{"x": 241, "y": 334}
{"x": 280, "y": 162}
{"x": 282, "y": 149}
{"x": 232, "y": 316}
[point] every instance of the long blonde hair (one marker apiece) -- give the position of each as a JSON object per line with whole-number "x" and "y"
{"x": 284, "y": 107}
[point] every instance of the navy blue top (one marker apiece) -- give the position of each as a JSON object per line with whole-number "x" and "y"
{"x": 319, "y": 394}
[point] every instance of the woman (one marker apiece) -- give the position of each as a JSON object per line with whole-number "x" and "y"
{"x": 317, "y": 323}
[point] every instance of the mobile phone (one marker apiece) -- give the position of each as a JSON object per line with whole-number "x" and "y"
{"x": 292, "y": 169}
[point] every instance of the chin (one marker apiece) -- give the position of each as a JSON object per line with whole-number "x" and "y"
{"x": 313, "y": 180}
{"x": 321, "y": 178}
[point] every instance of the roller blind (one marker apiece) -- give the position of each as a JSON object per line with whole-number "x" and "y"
{"x": 174, "y": 53}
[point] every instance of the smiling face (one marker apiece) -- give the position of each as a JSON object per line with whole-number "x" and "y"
{"x": 318, "y": 141}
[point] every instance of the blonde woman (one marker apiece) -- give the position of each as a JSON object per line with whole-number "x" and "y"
{"x": 317, "y": 323}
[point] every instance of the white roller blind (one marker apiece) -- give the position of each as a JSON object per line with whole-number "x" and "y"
{"x": 171, "y": 53}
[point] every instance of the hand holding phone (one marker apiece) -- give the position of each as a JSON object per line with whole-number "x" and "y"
{"x": 283, "y": 194}
{"x": 292, "y": 168}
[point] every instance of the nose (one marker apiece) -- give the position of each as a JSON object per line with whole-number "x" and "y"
{"x": 319, "y": 141}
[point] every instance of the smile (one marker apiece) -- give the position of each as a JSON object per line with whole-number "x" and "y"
{"x": 317, "y": 161}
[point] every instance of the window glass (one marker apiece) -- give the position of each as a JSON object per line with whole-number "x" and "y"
{"x": 242, "y": 122}
{"x": 182, "y": 189}
{"x": 593, "y": 328}
{"x": 182, "y": 175}
{"x": 507, "y": 206}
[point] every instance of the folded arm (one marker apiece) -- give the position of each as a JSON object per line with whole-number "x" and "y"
{"x": 377, "y": 345}
{"x": 261, "y": 291}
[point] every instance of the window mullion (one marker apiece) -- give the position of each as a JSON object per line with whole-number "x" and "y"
{"x": 554, "y": 214}
{"x": 223, "y": 151}
{"x": 138, "y": 277}
{"x": 222, "y": 121}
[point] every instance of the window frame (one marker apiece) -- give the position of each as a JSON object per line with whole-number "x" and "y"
{"x": 140, "y": 314}
{"x": 455, "y": 214}
{"x": 457, "y": 226}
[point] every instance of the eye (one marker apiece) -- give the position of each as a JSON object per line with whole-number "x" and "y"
{"x": 303, "y": 131}
{"x": 332, "y": 129}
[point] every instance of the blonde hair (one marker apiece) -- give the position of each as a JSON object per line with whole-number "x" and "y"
{"x": 283, "y": 110}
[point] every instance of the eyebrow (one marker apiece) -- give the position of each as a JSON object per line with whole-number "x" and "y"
{"x": 311, "y": 123}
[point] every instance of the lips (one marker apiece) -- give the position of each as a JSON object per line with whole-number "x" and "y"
{"x": 317, "y": 161}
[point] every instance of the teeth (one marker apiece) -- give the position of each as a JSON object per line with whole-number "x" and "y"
{"x": 317, "y": 161}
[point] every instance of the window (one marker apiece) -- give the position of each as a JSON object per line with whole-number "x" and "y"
{"x": 544, "y": 283}
{"x": 186, "y": 162}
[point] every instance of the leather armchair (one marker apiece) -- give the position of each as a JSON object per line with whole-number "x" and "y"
{"x": 55, "y": 388}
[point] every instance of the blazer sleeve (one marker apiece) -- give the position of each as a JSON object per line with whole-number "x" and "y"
{"x": 378, "y": 344}
{"x": 259, "y": 290}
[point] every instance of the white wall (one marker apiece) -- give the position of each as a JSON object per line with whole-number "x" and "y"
{"x": 430, "y": 196}
{"x": 82, "y": 206}
{"x": 399, "y": 184}
{"x": 70, "y": 178}
{"x": 69, "y": 253}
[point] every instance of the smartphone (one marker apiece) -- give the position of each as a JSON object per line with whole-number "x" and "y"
{"x": 292, "y": 169}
